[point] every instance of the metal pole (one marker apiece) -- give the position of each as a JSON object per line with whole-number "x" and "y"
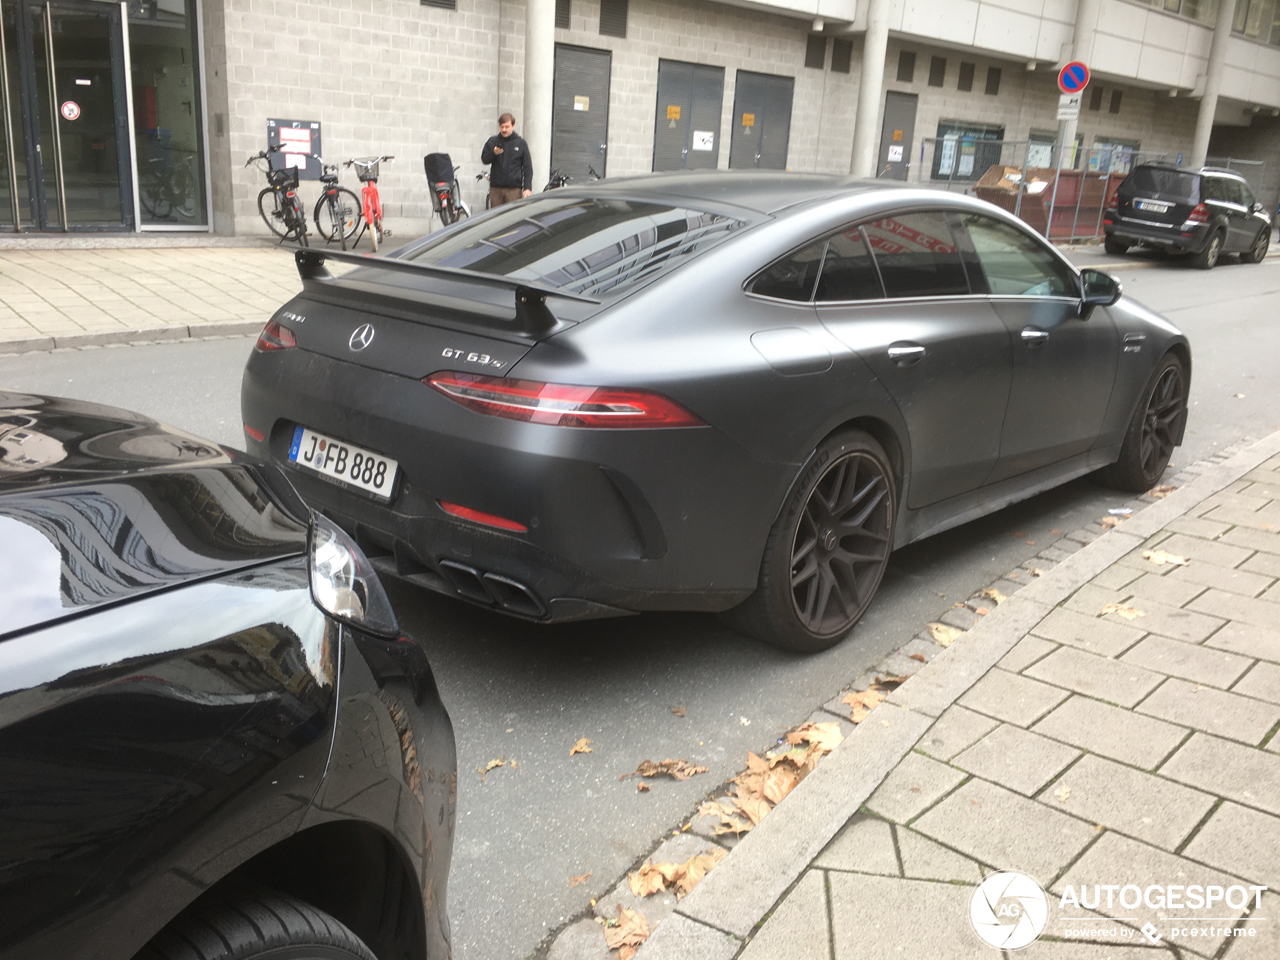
{"x": 1102, "y": 202}
{"x": 1022, "y": 181}
{"x": 56, "y": 115}
{"x": 1080, "y": 185}
{"x": 8, "y": 132}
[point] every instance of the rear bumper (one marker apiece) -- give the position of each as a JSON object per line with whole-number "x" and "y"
{"x": 1168, "y": 236}
{"x": 618, "y": 521}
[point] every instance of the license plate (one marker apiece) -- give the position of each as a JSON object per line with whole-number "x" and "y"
{"x": 346, "y": 462}
{"x": 1153, "y": 206}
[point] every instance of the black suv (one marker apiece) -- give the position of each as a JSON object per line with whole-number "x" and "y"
{"x": 1205, "y": 213}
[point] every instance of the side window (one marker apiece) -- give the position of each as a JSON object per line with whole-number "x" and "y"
{"x": 848, "y": 273}
{"x": 917, "y": 256}
{"x": 793, "y": 277}
{"x": 1015, "y": 264}
{"x": 1246, "y": 196}
{"x": 1233, "y": 192}
{"x": 1211, "y": 189}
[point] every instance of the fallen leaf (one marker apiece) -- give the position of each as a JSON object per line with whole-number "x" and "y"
{"x": 919, "y": 656}
{"x": 944, "y": 635}
{"x": 1110, "y": 522}
{"x": 1267, "y": 526}
{"x": 1036, "y": 572}
{"x": 492, "y": 764}
{"x": 643, "y": 787}
{"x": 1062, "y": 793}
{"x": 861, "y": 703}
{"x": 1055, "y": 530}
{"x": 743, "y": 721}
{"x": 1160, "y": 558}
{"x": 696, "y": 868}
{"x": 1238, "y": 396}
{"x": 511, "y": 729}
{"x": 653, "y": 877}
{"x": 629, "y": 930}
{"x": 726, "y": 810}
{"x": 1031, "y": 543}
{"x": 514, "y": 765}
{"x": 1161, "y": 491}
{"x": 981, "y": 611}
{"x": 579, "y": 881}
{"x": 582, "y": 746}
{"x": 1013, "y": 576}
{"x": 648, "y": 880}
{"x": 822, "y": 736}
{"x": 678, "y": 769}
{"x": 679, "y": 711}
{"x": 1123, "y": 610}
{"x": 995, "y": 595}
{"x": 1019, "y": 533}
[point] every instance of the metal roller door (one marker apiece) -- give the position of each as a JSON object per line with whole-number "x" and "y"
{"x": 580, "y": 115}
{"x": 761, "y": 120}
{"x": 686, "y": 133}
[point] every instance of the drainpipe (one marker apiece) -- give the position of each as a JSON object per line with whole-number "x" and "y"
{"x": 866, "y": 124}
{"x": 1212, "y": 83}
{"x": 539, "y": 78}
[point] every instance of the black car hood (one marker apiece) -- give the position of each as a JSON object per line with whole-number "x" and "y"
{"x": 98, "y": 505}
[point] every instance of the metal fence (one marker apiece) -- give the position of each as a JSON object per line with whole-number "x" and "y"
{"x": 1022, "y": 176}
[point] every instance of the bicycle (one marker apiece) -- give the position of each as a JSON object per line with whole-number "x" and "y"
{"x": 167, "y": 185}
{"x": 442, "y": 179}
{"x": 483, "y": 176}
{"x": 371, "y": 206}
{"x": 278, "y": 203}
{"x": 338, "y": 211}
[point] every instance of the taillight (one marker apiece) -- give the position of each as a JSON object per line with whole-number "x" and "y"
{"x": 561, "y": 405}
{"x": 275, "y": 337}
{"x": 1199, "y": 214}
{"x": 479, "y": 516}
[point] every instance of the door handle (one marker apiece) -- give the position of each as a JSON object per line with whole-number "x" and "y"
{"x": 1034, "y": 336}
{"x": 906, "y": 354}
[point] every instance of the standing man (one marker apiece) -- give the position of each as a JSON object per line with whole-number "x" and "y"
{"x": 511, "y": 167}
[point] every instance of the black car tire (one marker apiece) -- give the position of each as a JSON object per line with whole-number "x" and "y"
{"x": 1206, "y": 258}
{"x": 1258, "y": 251}
{"x": 815, "y": 581}
{"x": 1153, "y": 431}
{"x": 1116, "y": 247}
{"x": 255, "y": 926}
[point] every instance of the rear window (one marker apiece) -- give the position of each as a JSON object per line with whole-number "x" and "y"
{"x": 590, "y": 246}
{"x": 1159, "y": 184}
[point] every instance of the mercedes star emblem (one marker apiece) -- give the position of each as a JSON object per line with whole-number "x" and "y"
{"x": 362, "y": 337}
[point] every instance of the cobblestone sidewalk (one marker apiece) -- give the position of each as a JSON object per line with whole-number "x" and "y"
{"x": 1115, "y": 723}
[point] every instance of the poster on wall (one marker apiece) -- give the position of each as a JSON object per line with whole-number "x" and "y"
{"x": 299, "y": 143}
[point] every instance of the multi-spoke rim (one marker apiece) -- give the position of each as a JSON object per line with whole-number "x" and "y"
{"x": 841, "y": 544}
{"x": 1260, "y": 245}
{"x": 1160, "y": 424}
{"x": 1215, "y": 244}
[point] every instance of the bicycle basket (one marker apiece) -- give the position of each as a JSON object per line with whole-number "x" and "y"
{"x": 366, "y": 170}
{"x": 286, "y": 178}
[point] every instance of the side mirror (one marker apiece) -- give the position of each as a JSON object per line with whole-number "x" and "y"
{"x": 1257, "y": 208}
{"x": 1099, "y": 289}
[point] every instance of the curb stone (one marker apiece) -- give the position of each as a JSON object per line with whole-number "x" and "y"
{"x": 748, "y": 884}
{"x": 194, "y": 331}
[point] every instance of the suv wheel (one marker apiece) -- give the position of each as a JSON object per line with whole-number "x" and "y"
{"x": 1206, "y": 258}
{"x": 1258, "y": 252}
{"x": 1114, "y": 246}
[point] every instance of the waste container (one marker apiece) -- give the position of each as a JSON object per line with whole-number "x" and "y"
{"x": 1074, "y": 199}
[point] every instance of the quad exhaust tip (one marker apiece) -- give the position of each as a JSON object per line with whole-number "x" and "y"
{"x": 492, "y": 589}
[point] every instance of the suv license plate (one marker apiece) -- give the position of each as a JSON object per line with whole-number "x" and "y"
{"x": 1153, "y": 206}
{"x": 336, "y": 460}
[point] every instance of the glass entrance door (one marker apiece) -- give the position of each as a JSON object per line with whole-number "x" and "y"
{"x": 68, "y": 115}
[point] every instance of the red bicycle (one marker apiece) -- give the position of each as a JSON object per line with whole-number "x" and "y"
{"x": 371, "y": 203}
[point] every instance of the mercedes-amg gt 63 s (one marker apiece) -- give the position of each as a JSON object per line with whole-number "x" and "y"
{"x": 215, "y": 741}
{"x": 726, "y": 392}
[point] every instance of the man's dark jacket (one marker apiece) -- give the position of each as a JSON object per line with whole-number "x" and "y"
{"x": 513, "y": 167}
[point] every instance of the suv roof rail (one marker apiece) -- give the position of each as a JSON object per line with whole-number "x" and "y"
{"x": 1227, "y": 170}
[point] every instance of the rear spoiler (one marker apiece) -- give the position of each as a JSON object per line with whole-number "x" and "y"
{"x": 532, "y": 313}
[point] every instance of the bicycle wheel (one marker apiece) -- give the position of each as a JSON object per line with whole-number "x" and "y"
{"x": 337, "y": 217}
{"x": 273, "y": 212}
{"x": 375, "y": 232}
{"x": 447, "y": 212}
{"x": 296, "y": 220}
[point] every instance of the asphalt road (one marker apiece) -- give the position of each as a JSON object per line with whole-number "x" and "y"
{"x": 527, "y": 693}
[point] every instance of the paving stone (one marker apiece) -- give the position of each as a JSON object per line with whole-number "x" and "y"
{"x": 1240, "y": 773}
{"x": 1028, "y": 650}
{"x": 675, "y": 849}
{"x": 864, "y": 844}
{"x": 1112, "y": 732}
{"x": 897, "y": 665}
{"x": 1213, "y": 711}
{"x": 1176, "y": 622}
{"x": 1196, "y": 527}
{"x": 1111, "y": 680}
{"x": 705, "y": 827}
{"x": 1016, "y": 759}
{"x": 1272, "y": 595}
{"x": 1263, "y": 945}
{"x": 1012, "y": 697}
{"x": 1247, "y": 580}
{"x": 1107, "y": 638}
{"x": 955, "y": 730}
{"x": 1217, "y": 668}
{"x": 1115, "y": 859}
{"x": 1263, "y": 564}
{"x": 1248, "y": 640}
{"x": 913, "y": 785}
{"x": 1266, "y": 540}
{"x": 798, "y": 927}
{"x": 1089, "y": 600}
{"x": 1166, "y": 590}
{"x": 1115, "y": 578}
{"x": 1059, "y": 551}
{"x": 961, "y": 618}
{"x": 1241, "y": 841}
{"x": 1138, "y": 804}
{"x": 1262, "y": 682}
{"x": 1210, "y": 551}
{"x": 680, "y": 938}
{"x": 923, "y": 859}
{"x": 1069, "y": 950}
{"x": 926, "y": 648}
{"x": 1261, "y": 520}
{"x": 583, "y": 940}
{"x": 881, "y": 917}
{"x": 1229, "y": 606}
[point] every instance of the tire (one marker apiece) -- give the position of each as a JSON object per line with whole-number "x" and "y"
{"x": 447, "y": 214}
{"x": 1258, "y": 252}
{"x": 375, "y": 233}
{"x": 1115, "y": 247}
{"x": 1150, "y": 439}
{"x": 337, "y": 218}
{"x": 248, "y": 925}
{"x": 272, "y": 212}
{"x": 1206, "y": 258}
{"x": 816, "y": 582}
{"x": 298, "y": 228}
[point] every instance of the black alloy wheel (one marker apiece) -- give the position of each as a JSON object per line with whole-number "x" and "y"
{"x": 1206, "y": 258}
{"x": 1258, "y": 252}
{"x": 1154, "y": 430}
{"x": 828, "y": 549}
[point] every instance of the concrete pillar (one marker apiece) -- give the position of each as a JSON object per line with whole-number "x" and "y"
{"x": 866, "y": 124}
{"x": 1082, "y": 50}
{"x": 539, "y": 79}
{"x": 1212, "y": 82}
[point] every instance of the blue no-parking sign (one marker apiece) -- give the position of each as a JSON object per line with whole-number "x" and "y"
{"x": 1073, "y": 78}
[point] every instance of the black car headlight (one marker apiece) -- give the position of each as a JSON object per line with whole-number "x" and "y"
{"x": 344, "y": 583}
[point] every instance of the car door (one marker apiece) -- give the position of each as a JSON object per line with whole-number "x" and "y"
{"x": 895, "y": 291}
{"x": 1063, "y": 363}
{"x": 1242, "y": 228}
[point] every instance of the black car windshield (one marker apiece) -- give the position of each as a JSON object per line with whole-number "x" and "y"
{"x": 1160, "y": 184}
{"x": 590, "y": 246}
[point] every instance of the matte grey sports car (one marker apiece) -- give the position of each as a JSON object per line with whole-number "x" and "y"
{"x": 727, "y": 392}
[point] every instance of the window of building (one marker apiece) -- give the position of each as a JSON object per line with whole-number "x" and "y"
{"x": 1014, "y": 264}
{"x": 906, "y": 66}
{"x": 1258, "y": 20}
{"x": 965, "y": 80}
{"x": 1095, "y": 99}
{"x": 1041, "y": 148}
{"x": 1202, "y": 11}
{"x": 847, "y": 271}
{"x": 791, "y": 278}
{"x": 815, "y": 52}
{"x": 1113, "y": 155}
{"x": 613, "y": 18}
{"x": 917, "y": 256}
{"x": 841, "y": 55}
{"x": 562, "y": 14}
{"x": 964, "y": 151}
{"x": 993, "y": 81}
{"x": 937, "y": 71}
{"x": 442, "y": 4}
{"x": 1115, "y": 101}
